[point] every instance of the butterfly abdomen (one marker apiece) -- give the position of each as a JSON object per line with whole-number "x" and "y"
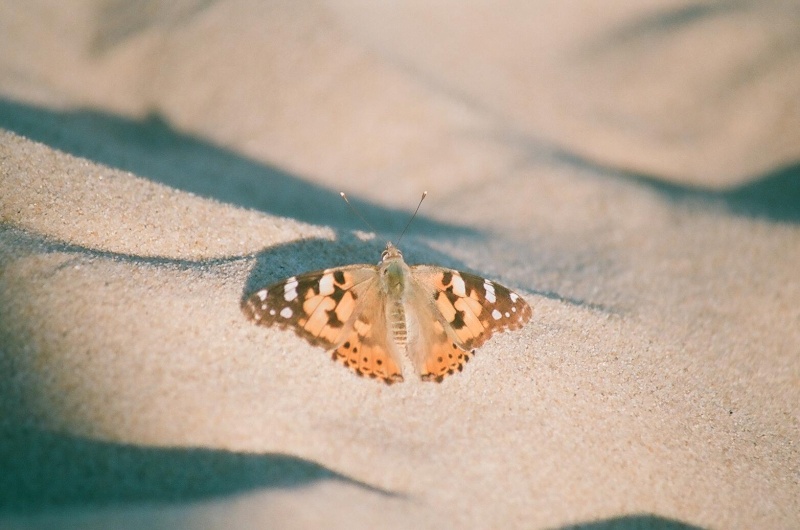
{"x": 397, "y": 324}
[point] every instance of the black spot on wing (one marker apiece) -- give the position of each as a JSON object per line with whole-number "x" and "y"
{"x": 458, "y": 319}
{"x": 447, "y": 278}
{"x": 338, "y": 294}
{"x": 333, "y": 319}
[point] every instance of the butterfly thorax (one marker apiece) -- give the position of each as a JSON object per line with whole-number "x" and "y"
{"x": 394, "y": 274}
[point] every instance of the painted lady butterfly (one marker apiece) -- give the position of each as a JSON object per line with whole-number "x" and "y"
{"x": 365, "y": 315}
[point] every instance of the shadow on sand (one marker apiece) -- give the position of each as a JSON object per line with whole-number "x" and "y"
{"x": 153, "y": 149}
{"x": 45, "y": 470}
{"x": 634, "y": 522}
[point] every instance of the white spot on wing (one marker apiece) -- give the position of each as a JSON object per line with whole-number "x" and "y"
{"x": 290, "y": 289}
{"x": 496, "y": 314}
{"x": 490, "y": 296}
{"x": 262, "y": 294}
{"x": 326, "y": 284}
{"x": 514, "y": 297}
{"x": 459, "y": 289}
{"x": 286, "y": 312}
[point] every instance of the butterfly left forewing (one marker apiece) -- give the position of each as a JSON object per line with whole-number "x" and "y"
{"x": 316, "y": 305}
{"x": 338, "y": 309}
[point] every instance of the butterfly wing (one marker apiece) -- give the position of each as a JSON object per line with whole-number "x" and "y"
{"x": 366, "y": 346}
{"x": 456, "y": 312}
{"x": 339, "y": 309}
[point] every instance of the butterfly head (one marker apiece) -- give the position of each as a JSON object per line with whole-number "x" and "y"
{"x": 390, "y": 253}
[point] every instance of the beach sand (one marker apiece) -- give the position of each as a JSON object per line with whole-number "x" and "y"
{"x": 633, "y": 170}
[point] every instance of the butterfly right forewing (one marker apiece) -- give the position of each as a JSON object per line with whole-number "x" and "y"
{"x": 466, "y": 310}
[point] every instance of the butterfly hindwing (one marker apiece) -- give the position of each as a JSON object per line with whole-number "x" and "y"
{"x": 365, "y": 346}
{"x": 434, "y": 348}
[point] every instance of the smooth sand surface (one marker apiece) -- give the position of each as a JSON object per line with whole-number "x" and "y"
{"x": 632, "y": 169}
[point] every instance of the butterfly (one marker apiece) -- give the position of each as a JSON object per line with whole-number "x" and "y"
{"x": 366, "y": 316}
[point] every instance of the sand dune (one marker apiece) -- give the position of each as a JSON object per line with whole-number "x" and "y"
{"x": 632, "y": 170}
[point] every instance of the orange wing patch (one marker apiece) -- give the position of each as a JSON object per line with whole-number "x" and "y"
{"x": 444, "y": 358}
{"x": 365, "y": 356}
{"x": 477, "y": 308}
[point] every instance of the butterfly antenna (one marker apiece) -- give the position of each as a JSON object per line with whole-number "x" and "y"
{"x": 424, "y": 194}
{"x": 356, "y": 211}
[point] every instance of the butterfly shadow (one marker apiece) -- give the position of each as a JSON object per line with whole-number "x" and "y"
{"x": 45, "y": 470}
{"x": 290, "y": 259}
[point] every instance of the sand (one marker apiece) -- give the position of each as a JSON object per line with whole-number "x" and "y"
{"x": 633, "y": 169}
